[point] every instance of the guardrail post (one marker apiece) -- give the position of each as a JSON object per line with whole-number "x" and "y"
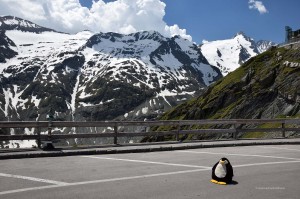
{"x": 39, "y": 142}
{"x": 283, "y": 129}
{"x": 234, "y": 135}
{"x": 49, "y": 129}
{"x": 177, "y": 133}
{"x": 115, "y": 134}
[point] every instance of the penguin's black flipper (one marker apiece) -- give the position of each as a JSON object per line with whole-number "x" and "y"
{"x": 229, "y": 173}
{"x": 230, "y": 170}
{"x": 213, "y": 175}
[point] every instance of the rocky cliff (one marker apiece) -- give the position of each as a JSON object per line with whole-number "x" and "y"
{"x": 266, "y": 86}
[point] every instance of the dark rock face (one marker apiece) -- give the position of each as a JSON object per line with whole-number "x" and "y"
{"x": 244, "y": 55}
{"x": 5, "y": 48}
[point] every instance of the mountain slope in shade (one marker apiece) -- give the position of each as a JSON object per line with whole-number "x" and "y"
{"x": 87, "y": 76}
{"x": 229, "y": 54}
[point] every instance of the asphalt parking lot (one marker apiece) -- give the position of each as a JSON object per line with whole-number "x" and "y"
{"x": 271, "y": 171}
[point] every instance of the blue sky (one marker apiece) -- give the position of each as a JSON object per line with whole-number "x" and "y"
{"x": 222, "y": 19}
{"x": 196, "y": 20}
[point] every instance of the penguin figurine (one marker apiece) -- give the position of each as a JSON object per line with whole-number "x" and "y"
{"x": 222, "y": 172}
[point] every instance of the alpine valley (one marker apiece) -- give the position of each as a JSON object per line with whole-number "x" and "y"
{"x": 105, "y": 76}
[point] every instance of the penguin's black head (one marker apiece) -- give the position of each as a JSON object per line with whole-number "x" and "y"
{"x": 224, "y": 161}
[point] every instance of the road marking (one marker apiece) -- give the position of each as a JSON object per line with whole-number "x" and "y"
{"x": 132, "y": 177}
{"x": 278, "y": 148}
{"x": 148, "y": 162}
{"x": 264, "y": 163}
{"x": 32, "y": 179}
{"x": 236, "y": 154}
{"x": 141, "y": 176}
{"x": 30, "y": 189}
{"x": 101, "y": 181}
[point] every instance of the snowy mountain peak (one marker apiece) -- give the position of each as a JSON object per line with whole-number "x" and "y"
{"x": 15, "y": 23}
{"x": 229, "y": 54}
{"x": 242, "y": 36}
{"x": 240, "y": 33}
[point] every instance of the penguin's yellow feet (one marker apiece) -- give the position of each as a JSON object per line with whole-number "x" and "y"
{"x": 217, "y": 182}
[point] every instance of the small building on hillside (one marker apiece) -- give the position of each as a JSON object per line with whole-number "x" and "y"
{"x": 291, "y": 36}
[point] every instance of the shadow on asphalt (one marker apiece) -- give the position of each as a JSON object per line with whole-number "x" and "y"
{"x": 233, "y": 183}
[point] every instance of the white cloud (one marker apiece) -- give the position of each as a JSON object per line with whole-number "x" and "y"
{"x": 258, "y": 5}
{"x": 122, "y": 16}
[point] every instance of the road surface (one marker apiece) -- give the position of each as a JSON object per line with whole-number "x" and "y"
{"x": 271, "y": 171}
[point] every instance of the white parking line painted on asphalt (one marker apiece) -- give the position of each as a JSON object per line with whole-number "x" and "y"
{"x": 147, "y": 162}
{"x": 32, "y": 179}
{"x": 236, "y": 154}
{"x": 282, "y": 148}
{"x": 30, "y": 189}
{"x": 264, "y": 163}
{"x": 133, "y": 177}
{"x": 102, "y": 181}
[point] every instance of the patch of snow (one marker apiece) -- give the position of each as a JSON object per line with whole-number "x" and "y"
{"x": 138, "y": 113}
{"x": 86, "y": 104}
{"x": 44, "y": 44}
{"x": 12, "y": 98}
{"x": 11, "y": 22}
{"x": 187, "y": 47}
{"x": 145, "y": 110}
{"x": 168, "y": 60}
{"x": 208, "y": 73}
{"x": 74, "y": 94}
{"x": 109, "y": 101}
{"x": 166, "y": 100}
{"x": 21, "y": 144}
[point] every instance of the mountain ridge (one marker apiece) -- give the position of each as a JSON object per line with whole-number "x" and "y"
{"x": 229, "y": 54}
{"x": 87, "y": 70}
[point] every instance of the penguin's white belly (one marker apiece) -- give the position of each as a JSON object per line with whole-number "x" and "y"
{"x": 220, "y": 171}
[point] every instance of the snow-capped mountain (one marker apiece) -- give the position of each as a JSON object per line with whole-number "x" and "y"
{"x": 263, "y": 45}
{"x": 87, "y": 76}
{"x": 16, "y": 23}
{"x": 229, "y": 54}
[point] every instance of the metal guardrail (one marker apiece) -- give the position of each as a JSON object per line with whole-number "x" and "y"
{"x": 288, "y": 43}
{"x": 234, "y": 129}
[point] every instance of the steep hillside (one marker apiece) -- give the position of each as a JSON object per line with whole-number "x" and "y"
{"x": 266, "y": 86}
